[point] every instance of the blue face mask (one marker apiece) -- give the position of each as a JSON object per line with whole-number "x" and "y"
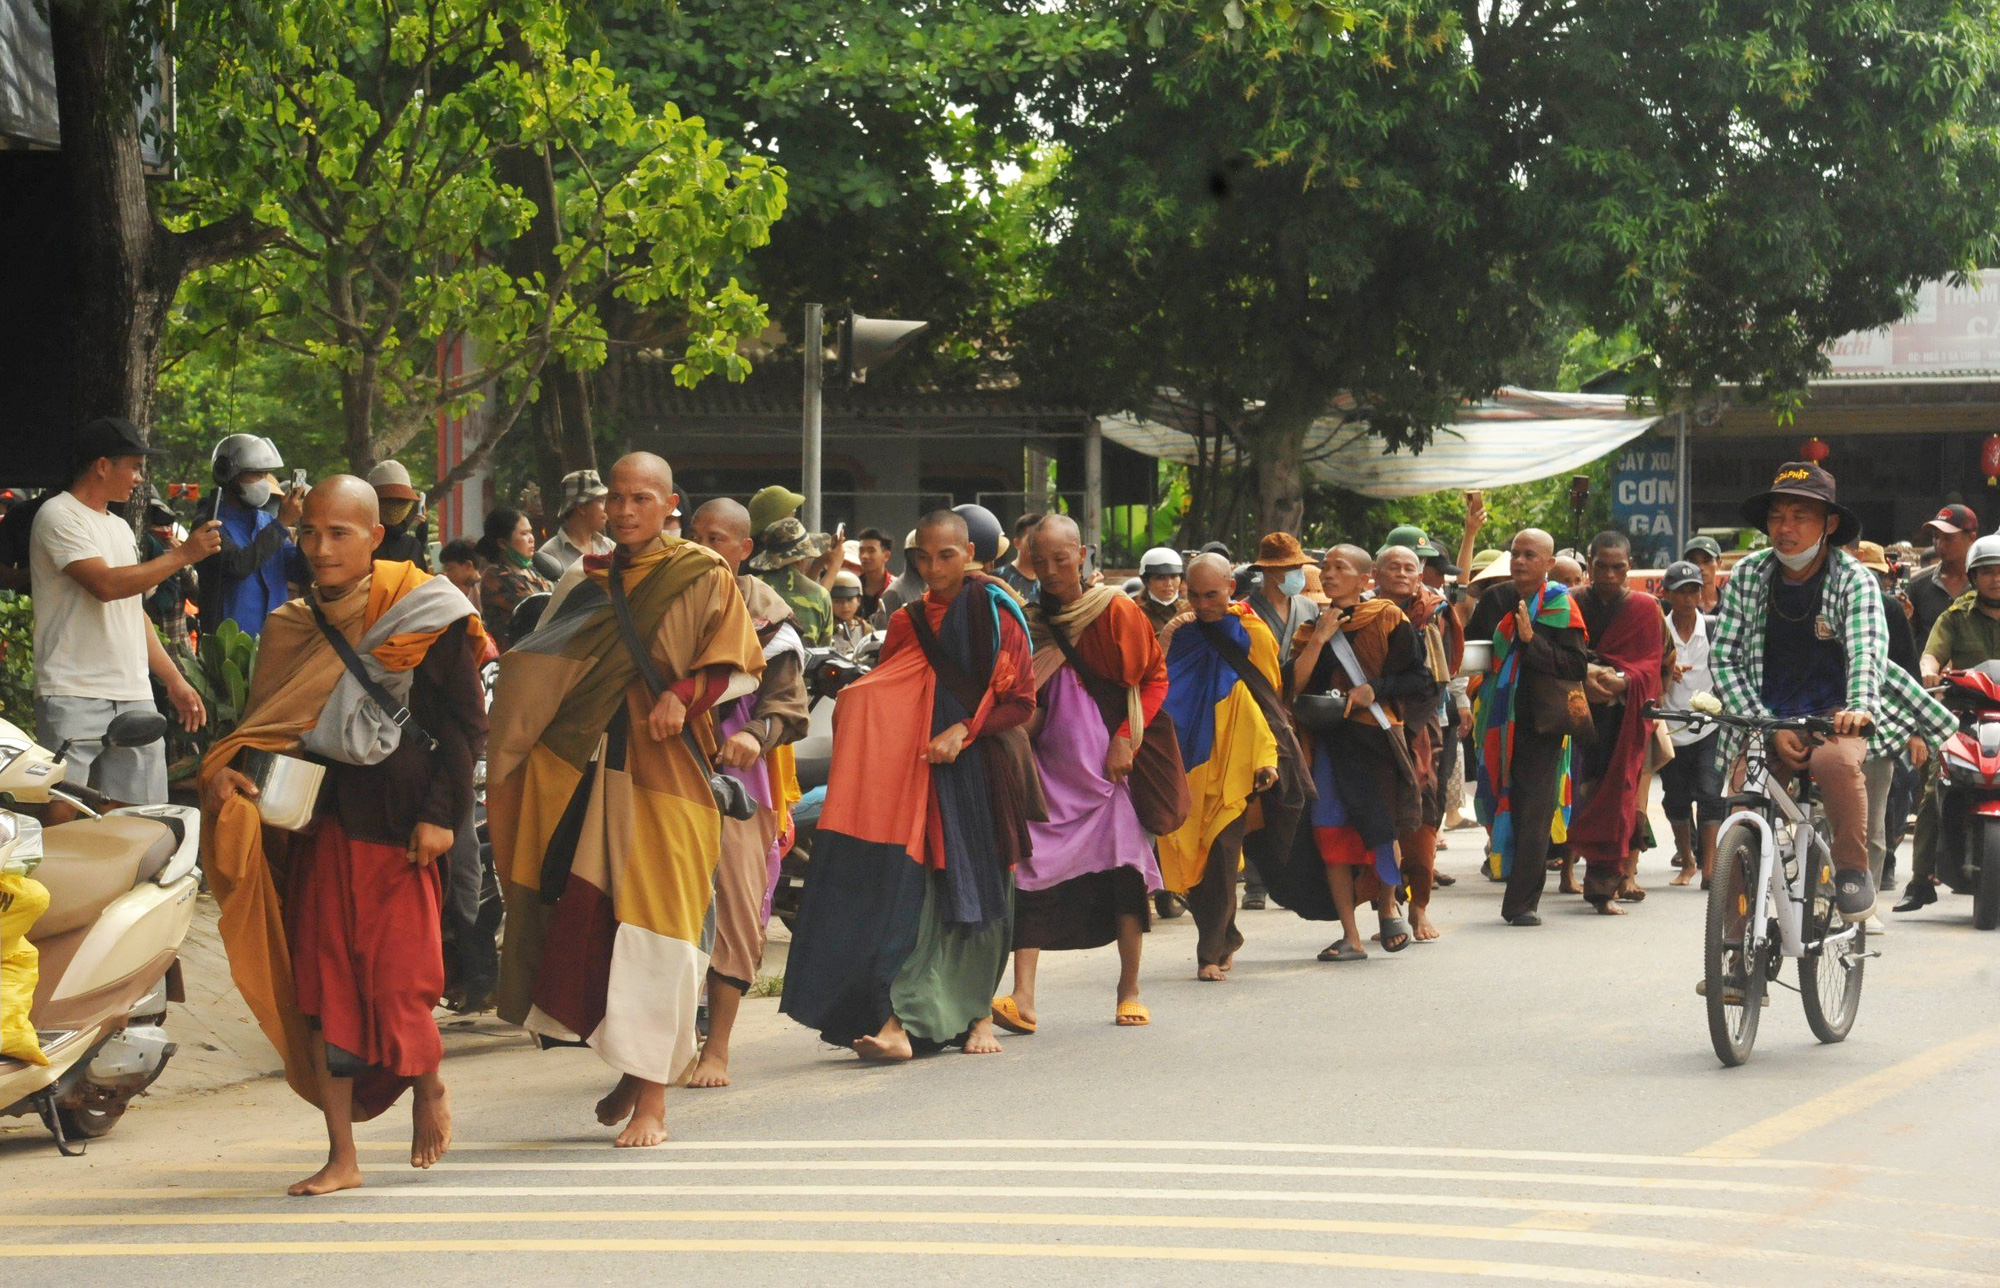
{"x": 1294, "y": 582}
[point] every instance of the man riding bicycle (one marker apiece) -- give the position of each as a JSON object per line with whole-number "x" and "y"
{"x": 1800, "y": 632}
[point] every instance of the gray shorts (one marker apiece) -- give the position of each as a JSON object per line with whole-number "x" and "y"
{"x": 131, "y": 775}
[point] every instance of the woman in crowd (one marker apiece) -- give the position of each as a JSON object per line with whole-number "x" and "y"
{"x": 508, "y": 547}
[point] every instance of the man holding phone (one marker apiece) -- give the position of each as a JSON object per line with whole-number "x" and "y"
{"x": 253, "y": 572}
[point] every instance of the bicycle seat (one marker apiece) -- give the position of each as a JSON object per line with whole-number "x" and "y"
{"x": 88, "y": 863}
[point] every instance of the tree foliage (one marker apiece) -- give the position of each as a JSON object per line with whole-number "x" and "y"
{"x": 372, "y": 134}
{"x": 1270, "y": 202}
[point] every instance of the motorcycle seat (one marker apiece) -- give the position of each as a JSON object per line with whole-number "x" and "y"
{"x": 88, "y": 863}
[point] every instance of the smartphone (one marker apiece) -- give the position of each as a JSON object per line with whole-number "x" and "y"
{"x": 298, "y": 480}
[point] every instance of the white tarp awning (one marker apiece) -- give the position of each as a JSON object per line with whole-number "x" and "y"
{"x": 1516, "y": 436}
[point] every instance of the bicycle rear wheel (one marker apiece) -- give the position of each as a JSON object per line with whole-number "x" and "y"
{"x": 1830, "y": 974}
{"x": 1733, "y": 978}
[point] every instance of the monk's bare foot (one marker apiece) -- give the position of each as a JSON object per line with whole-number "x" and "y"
{"x": 1632, "y": 891}
{"x": 430, "y": 1123}
{"x": 648, "y": 1124}
{"x": 712, "y": 1070}
{"x": 980, "y": 1040}
{"x": 328, "y": 1180}
{"x": 1607, "y": 908}
{"x": 1228, "y": 963}
{"x": 1213, "y": 974}
{"x": 1421, "y": 925}
{"x": 616, "y": 1106}
{"x": 892, "y": 1043}
{"x": 1685, "y": 875}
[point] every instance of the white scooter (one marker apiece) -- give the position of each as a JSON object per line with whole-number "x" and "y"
{"x": 121, "y": 886}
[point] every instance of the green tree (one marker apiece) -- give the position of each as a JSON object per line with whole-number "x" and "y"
{"x": 374, "y": 137}
{"x": 1268, "y": 203}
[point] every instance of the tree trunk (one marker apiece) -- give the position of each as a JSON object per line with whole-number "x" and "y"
{"x": 357, "y": 407}
{"x": 1279, "y": 450}
{"x": 124, "y": 278}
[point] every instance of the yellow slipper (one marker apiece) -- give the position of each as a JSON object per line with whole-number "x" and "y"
{"x": 1008, "y": 1016}
{"x": 1132, "y": 1014}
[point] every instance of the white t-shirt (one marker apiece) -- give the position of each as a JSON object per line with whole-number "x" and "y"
{"x": 84, "y": 647}
{"x": 1691, "y": 653}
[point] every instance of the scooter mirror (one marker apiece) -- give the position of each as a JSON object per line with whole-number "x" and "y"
{"x": 135, "y": 729}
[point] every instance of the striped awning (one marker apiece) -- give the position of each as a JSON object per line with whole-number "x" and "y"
{"x": 1516, "y": 436}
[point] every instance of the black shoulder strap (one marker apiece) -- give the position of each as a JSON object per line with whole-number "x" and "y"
{"x": 656, "y": 683}
{"x": 954, "y": 676}
{"x": 376, "y": 693}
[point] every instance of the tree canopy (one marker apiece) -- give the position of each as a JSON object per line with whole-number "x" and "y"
{"x": 1266, "y": 203}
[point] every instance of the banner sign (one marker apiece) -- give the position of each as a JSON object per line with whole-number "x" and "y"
{"x": 1643, "y": 495}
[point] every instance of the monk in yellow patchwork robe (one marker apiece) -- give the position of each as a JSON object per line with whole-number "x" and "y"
{"x": 605, "y": 829}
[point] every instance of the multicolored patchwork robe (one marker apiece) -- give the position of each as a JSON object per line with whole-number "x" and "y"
{"x": 607, "y": 839}
{"x": 1494, "y": 729}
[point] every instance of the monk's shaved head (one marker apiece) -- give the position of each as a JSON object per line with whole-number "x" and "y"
{"x": 1357, "y": 558}
{"x": 724, "y": 514}
{"x": 1056, "y": 528}
{"x": 1210, "y": 582}
{"x": 1536, "y": 539}
{"x": 339, "y": 527}
{"x": 1208, "y": 571}
{"x": 343, "y": 498}
{"x": 639, "y": 500}
{"x": 944, "y": 521}
{"x": 648, "y": 467}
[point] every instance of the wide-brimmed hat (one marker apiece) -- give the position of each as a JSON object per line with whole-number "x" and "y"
{"x": 1807, "y": 482}
{"x": 1498, "y": 568}
{"x": 1872, "y": 557}
{"x": 787, "y": 542}
{"x": 578, "y": 487}
{"x": 1280, "y": 550}
{"x": 1315, "y": 590}
{"x": 772, "y": 504}
{"x": 391, "y": 481}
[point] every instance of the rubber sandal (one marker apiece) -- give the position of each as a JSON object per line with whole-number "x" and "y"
{"x": 1342, "y": 951}
{"x": 1131, "y": 1015}
{"x": 1008, "y": 1016}
{"x": 1396, "y": 928}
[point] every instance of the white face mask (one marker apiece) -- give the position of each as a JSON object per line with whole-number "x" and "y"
{"x": 255, "y": 495}
{"x": 1168, "y": 601}
{"x": 1803, "y": 559}
{"x": 1294, "y": 582}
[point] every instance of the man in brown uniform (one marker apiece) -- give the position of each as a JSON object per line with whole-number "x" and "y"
{"x": 752, "y": 729}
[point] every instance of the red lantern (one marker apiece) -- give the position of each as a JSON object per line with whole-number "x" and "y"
{"x": 1989, "y": 459}
{"x": 1814, "y": 450}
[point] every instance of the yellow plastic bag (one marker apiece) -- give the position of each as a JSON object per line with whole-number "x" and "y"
{"x": 22, "y": 901}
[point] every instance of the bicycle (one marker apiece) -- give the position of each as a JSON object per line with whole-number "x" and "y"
{"x": 1771, "y": 896}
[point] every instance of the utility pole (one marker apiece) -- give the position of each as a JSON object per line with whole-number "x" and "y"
{"x": 815, "y": 323}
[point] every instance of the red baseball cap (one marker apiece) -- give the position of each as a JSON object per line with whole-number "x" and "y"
{"x": 1956, "y": 519}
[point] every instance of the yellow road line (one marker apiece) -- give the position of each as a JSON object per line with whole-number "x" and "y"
{"x": 876, "y": 1248}
{"x": 423, "y": 1191}
{"x": 1863, "y": 1093}
{"x": 1554, "y": 1237}
{"x": 1118, "y": 1146}
{"x": 704, "y": 1166}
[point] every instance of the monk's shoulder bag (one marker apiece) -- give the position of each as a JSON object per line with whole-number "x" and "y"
{"x": 732, "y": 798}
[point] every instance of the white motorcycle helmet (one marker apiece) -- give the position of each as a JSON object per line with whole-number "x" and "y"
{"x": 1161, "y": 561}
{"x": 1985, "y": 553}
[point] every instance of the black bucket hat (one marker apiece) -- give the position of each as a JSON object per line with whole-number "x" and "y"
{"x": 1809, "y": 482}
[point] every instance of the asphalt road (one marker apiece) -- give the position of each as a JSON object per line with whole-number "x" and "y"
{"x": 1537, "y": 1105}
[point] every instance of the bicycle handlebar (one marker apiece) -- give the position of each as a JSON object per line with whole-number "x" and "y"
{"x": 1817, "y": 726}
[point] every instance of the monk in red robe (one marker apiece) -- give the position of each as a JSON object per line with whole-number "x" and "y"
{"x": 1627, "y": 640}
{"x": 335, "y": 938}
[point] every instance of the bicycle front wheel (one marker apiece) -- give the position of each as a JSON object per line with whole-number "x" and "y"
{"x": 1830, "y": 973}
{"x": 1734, "y": 975}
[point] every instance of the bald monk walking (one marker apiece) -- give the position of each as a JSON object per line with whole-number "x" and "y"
{"x": 341, "y": 959}
{"x": 605, "y": 831}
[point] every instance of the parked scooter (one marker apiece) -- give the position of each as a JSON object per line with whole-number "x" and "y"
{"x": 1968, "y": 850}
{"x": 827, "y": 673}
{"x": 122, "y": 886}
